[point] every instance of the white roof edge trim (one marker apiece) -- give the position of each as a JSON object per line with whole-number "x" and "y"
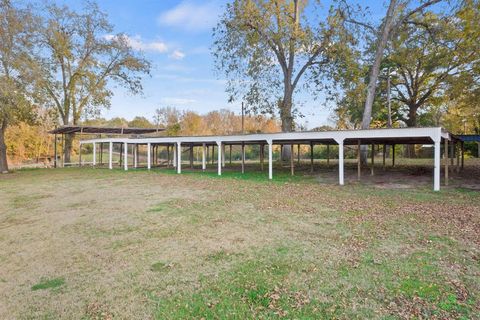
{"x": 434, "y": 133}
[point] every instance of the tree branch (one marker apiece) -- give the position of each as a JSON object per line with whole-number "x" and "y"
{"x": 416, "y": 10}
{"x": 271, "y": 43}
{"x": 309, "y": 63}
{"x": 362, "y": 24}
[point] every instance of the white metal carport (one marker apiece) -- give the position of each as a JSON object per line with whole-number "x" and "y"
{"x": 434, "y": 136}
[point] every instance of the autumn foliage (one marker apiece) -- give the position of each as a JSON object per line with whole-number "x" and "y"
{"x": 33, "y": 143}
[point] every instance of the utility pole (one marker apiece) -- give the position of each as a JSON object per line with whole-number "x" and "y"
{"x": 243, "y": 144}
{"x": 243, "y": 119}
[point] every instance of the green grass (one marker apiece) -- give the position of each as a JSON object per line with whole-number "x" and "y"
{"x": 159, "y": 266}
{"x": 48, "y": 284}
{"x": 263, "y": 288}
{"x": 252, "y": 289}
{"x": 257, "y": 176}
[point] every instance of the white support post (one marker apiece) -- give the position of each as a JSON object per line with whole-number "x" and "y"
{"x": 436, "y": 169}
{"x": 110, "y": 151}
{"x": 174, "y": 148}
{"x": 204, "y": 155}
{"x": 94, "y": 162}
{"x": 219, "y": 160}
{"x": 135, "y": 155}
{"x": 270, "y": 160}
{"x": 125, "y": 156}
{"x": 149, "y": 157}
{"x": 340, "y": 163}
{"x": 179, "y": 157}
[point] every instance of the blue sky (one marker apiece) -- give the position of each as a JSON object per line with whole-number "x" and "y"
{"x": 176, "y": 37}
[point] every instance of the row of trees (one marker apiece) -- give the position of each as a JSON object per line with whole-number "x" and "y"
{"x": 428, "y": 75}
{"x": 177, "y": 122}
{"x": 57, "y": 59}
{"x": 419, "y": 65}
{"x": 33, "y": 142}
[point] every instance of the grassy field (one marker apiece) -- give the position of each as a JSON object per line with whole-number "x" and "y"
{"x": 81, "y": 243}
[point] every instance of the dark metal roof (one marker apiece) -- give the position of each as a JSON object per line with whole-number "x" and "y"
{"x": 469, "y": 137}
{"x": 111, "y": 130}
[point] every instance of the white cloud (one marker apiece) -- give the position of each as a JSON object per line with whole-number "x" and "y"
{"x": 153, "y": 46}
{"x": 137, "y": 43}
{"x": 177, "y": 101}
{"x": 177, "y": 55}
{"x": 191, "y": 16}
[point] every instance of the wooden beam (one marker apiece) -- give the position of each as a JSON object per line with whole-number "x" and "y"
{"x": 55, "y": 151}
{"x": 384, "y": 155}
{"x": 153, "y": 155}
{"x": 373, "y": 160}
{"x": 121, "y": 155}
{"x": 393, "y": 155}
{"x": 101, "y": 153}
{"x": 213, "y": 153}
{"x": 445, "y": 150}
{"x": 359, "y": 163}
{"x": 168, "y": 156}
{"x": 452, "y": 153}
{"x": 457, "y": 154}
{"x": 311, "y": 156}
{"x": 191, "y": 156}
{"x": 243, "y": 157}
{"x": 80, "y": 155}
{"x": 262, "y": 150}
{"x": 292, "y": 170}
{"x": 328, "y": 155}
{"x": 298, "y": 154}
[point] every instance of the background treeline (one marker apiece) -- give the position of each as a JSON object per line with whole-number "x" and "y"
{"x": 32, "y": 142}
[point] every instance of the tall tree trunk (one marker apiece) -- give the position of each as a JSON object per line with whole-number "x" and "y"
{"x": 382, "y": 40}
{"x": 286, "y": 110}
{"x": 287, "y": 120}
{"x": 411, "y": 123}
{"x": 67, "y": 148}
{"x": 375, "y": 71}
{"x": 412, "y": 116}
{"x": 3, "y": 148}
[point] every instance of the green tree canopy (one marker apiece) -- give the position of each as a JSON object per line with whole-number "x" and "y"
{"x": 80, "y": 59}
{"x": 268, "y": 48}
{"x": 16, "y": 91}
